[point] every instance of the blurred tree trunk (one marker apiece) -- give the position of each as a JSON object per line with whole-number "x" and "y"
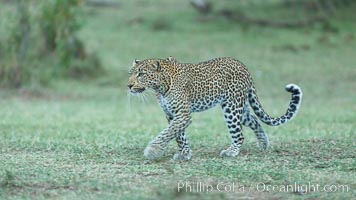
{"x": 20, "y": 42}
{"x": 102, "y": 3}
{"x": 201, "y": 6}
{"x": 319, "y": 11}
{"x": 244, "y": 19}
{"x": 25, "y": 28}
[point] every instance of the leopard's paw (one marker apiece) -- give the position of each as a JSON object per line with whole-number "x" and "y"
{"x": 263, "y": 145}
{"x": 183, "y": 155}
{"x": 154, "y": 151}
{"x": 230, "y": 152}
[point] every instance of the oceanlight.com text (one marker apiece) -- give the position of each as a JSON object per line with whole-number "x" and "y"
{"x": 199, "y": 186}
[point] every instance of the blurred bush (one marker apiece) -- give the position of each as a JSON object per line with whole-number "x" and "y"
{"x": 42, "y": 44}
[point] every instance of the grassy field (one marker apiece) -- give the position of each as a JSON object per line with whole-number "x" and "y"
{"x": 85, "y": 140}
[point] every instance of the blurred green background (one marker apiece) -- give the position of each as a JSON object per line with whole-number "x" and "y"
{"x": 69, "y": 130}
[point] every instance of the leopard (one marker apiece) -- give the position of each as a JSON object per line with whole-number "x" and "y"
{"x": 184, "y": 88}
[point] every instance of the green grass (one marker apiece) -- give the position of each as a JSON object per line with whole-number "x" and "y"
{"x": 86, "y": 140}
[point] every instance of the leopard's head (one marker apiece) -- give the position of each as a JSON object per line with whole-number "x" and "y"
{"x": 145, "y": 74}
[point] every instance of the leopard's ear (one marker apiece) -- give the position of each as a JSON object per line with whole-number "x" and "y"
{"x": 157, "y": 66}
{"x": 171, "y": 59}
{"x": 135, "y": 62}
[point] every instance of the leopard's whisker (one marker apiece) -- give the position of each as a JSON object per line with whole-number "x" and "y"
{"x": 143, "y": 97}
{"x": 129, "y": 101}
{"x": 151, "y": 91}
{"x": 140, "y": 97}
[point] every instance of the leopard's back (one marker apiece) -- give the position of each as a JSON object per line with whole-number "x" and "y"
{"x": 211, "y": 82}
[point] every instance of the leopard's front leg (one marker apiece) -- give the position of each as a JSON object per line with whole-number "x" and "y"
{"x": 184, "y": 152}
{"x": 177, "y": 125}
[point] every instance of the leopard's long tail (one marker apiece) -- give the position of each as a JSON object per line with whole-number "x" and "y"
{"x": 291, "y": 112}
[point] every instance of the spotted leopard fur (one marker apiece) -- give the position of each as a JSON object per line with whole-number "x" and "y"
{"x": 184, "y": 88}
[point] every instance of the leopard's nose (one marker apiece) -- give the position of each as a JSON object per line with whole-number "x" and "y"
{"x": 129, "y": 86}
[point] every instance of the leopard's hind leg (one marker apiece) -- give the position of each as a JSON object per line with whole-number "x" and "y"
{"x": 251, "y": 121}
{"x": 232, "y": 109}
